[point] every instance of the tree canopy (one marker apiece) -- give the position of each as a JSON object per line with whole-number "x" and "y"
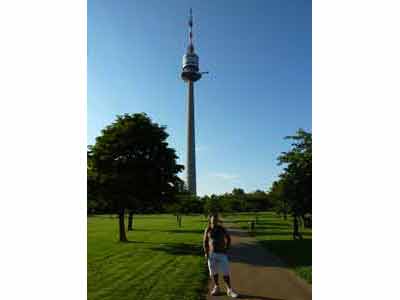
{"x": 131, "y": 165}
{"x": 292, "y": 193}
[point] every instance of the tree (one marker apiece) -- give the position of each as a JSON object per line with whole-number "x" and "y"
{"x": 131, "y": 166}
{"x": 238, "y": 192}
{"x": 178, "y": 207}
{"x": 298, "y": 171}
{"x": 212, "y": 205}
{"x": 279, "y": 198}
{"x": 238, "y": 197}
{"x": 257, "y": 200}
{"x": 296, "y": 180}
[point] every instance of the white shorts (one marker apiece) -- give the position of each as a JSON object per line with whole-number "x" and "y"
{"x": 218, "y": 263}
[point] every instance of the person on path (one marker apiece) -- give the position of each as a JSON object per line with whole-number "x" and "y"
{"x": 216, "y": 242}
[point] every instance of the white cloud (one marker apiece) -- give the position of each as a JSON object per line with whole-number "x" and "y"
{"x": 201, "y": 148}
{"x": 225, "y": 176}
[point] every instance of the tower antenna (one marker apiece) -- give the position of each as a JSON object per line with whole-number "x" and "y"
{"x": 191, "y": 47}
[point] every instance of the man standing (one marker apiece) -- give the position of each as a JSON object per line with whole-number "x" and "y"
{"x": 216, "y": 242}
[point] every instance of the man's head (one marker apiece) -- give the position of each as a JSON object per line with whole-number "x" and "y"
{"x": 214, "y": 220}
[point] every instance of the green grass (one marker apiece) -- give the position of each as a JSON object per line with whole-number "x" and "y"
{"x": 275, "y": 234}
{"x": 160, "y": 261}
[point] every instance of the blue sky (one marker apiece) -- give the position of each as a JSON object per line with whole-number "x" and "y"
{"x": 258, "y": 91}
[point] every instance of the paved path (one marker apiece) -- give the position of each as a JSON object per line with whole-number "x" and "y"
{"x": 257, "y": 274}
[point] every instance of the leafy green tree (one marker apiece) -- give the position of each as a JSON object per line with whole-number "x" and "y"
{"x": 226, "y": 202}
{"x": 238, "y": 192}
{"x": 298, "y": 172}
{"x": 294, "y": 189}
{"x": 212, "y": 205}
{"x": 180, "y": 206}
{"x": 279, "y": 198}
{"x": 239, "y": 199}
{"x": 204, "y": 200}
{"x": 257, "y": 201}
{"x": 132, "y": 167}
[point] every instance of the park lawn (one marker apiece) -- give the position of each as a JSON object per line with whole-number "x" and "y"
{"x": 160, "y": 261}
{"x": 275, "y": 234}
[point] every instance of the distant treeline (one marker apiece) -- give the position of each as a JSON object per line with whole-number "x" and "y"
{"x": 236, "y": 201}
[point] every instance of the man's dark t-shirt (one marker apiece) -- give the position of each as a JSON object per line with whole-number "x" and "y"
{"x": 216, "y": 239}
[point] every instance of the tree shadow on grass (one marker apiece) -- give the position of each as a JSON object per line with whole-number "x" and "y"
{"x": 296, "y": 253}
{"x": 179, "y": 249}
{"x": 239, "y": 221}
{"x": 274, "y": 223}
{"x": 245, "y": 296}
{"x": 137, "y": 242}
{"x": 198, "y": 231}
{"x": 172, "y": 248}
{"x": 288, "y": 233}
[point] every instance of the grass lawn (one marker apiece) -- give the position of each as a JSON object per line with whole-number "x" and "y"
{"x": 275, "y": 234}
{"x": 160, "y": 261}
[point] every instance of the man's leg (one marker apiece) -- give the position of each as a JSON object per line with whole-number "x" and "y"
{"x": 215, "y": 277}
{"x": 224, "y": 264}
{"x": 215, "y": 290}
{"x": 212, "y": 265}
{"x": 227, "y": 280}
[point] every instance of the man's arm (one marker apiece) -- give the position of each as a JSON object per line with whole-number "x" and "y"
{"x": 228, "y": 239}
{"x": 205, "y": 242}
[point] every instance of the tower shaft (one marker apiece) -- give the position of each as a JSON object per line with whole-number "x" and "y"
{"x": 191, "y": 152}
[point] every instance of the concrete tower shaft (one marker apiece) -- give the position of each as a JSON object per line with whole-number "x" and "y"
{"x": 191, "y": 143}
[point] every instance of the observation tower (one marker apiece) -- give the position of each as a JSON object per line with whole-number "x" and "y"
{"x": 190, "y": 74}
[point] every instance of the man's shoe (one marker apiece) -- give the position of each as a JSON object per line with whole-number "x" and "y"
{"x": 231, "y": 293}
{"x": 215, "y": 291}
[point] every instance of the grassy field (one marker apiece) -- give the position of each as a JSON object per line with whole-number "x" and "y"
{"x": 275, "y": 234}
{"x": 160, "y": 261}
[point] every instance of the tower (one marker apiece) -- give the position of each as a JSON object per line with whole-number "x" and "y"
{"x": 190, "y": 74}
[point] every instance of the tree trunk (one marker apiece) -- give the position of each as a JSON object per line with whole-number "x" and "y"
{"x": 121, "y": 217}
{"x": 130, "y": 221}
{"x": 296, "y": 233}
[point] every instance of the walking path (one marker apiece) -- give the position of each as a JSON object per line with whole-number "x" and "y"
{"x": 257, "y": 274}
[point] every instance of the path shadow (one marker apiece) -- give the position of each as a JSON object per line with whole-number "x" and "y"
{"x": 296, "y": 253}
{"x": 239, "y": 233}
{"x": 272, "y": 253}
{"x": 238, "y": 254}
